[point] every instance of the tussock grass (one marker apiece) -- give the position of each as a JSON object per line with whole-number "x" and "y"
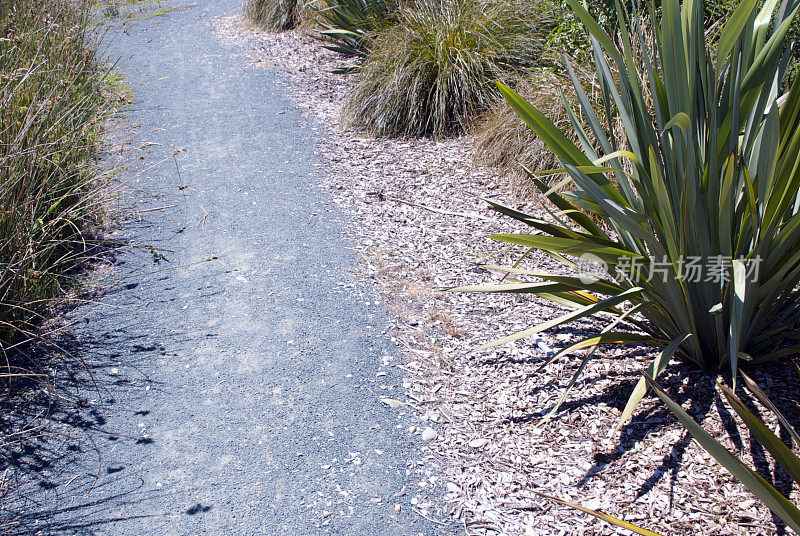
{"x": 278, "y": 15}
{"x": 51, "y": 99}
{"x": 433, "y": 72}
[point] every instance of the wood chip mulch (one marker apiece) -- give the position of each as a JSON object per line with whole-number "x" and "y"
{"x": 421, "y": 227}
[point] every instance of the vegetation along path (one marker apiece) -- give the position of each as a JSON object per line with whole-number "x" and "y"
{"x": 239, "y": 396}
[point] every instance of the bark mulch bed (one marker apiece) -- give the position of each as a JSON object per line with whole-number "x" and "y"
{"x": 421, "y": 227}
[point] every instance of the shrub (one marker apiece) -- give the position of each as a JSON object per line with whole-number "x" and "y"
{"x": 712, "y": 182}
{"x": 277, "y": 15}
{"x": 720, "y": 10}
{"x": 50, "y": 102}
{"x": 568, "y": 35}
{"x": 348, "y": 26}
{"x": 431, "y": 73}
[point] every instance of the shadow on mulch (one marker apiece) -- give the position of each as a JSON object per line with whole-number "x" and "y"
{"x": 697, "y": 388}
{"x": 696, "y": 391}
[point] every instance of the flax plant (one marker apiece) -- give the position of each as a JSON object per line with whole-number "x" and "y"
{"x": 349, "y": 26}
{"x": 708, "y": 168}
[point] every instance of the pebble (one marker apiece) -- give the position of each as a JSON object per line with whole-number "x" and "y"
{"x": 429, "y": 434}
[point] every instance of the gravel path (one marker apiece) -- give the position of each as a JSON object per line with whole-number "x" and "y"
{"x": 240, "y": 365}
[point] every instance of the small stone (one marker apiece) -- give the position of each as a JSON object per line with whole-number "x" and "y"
{"x": 592, "y": 504}
{"x": 429, "y": 434}
{"x": 391, "y": 402}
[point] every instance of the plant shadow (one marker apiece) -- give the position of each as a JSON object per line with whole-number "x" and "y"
{"x": 54, "y": 427}
{"x": 694, "y": 390}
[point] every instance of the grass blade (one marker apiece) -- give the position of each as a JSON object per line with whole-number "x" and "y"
{"x": 654, "y": 369}
{"x": 784, "y": 456}
{"x": 764, "y": 399}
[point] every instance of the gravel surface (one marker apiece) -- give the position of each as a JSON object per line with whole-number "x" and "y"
{"x": 421, "y": 227}
{"x": 242, "y": 382}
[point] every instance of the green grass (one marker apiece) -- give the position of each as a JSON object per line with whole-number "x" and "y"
{"x": 51, "y": 199}
{"x": 432, "y": 73}
{"x": 147, "y": 15}
{"x": 134, "y": 10}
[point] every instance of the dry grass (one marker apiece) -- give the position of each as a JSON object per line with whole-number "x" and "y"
{"x": 279, "y": 15}
{"x": 505, "y": 143}
{"x": 433, "y": 73}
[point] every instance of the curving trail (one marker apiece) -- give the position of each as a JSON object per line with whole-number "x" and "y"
{"x": 237, "y": 396}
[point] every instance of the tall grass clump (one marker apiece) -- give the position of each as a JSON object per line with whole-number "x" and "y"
{"x": 697, "y": 249}
{"x": 278, "y": 15}
{"x": 51, "y": 100}
{"x": 431, "y": 73}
